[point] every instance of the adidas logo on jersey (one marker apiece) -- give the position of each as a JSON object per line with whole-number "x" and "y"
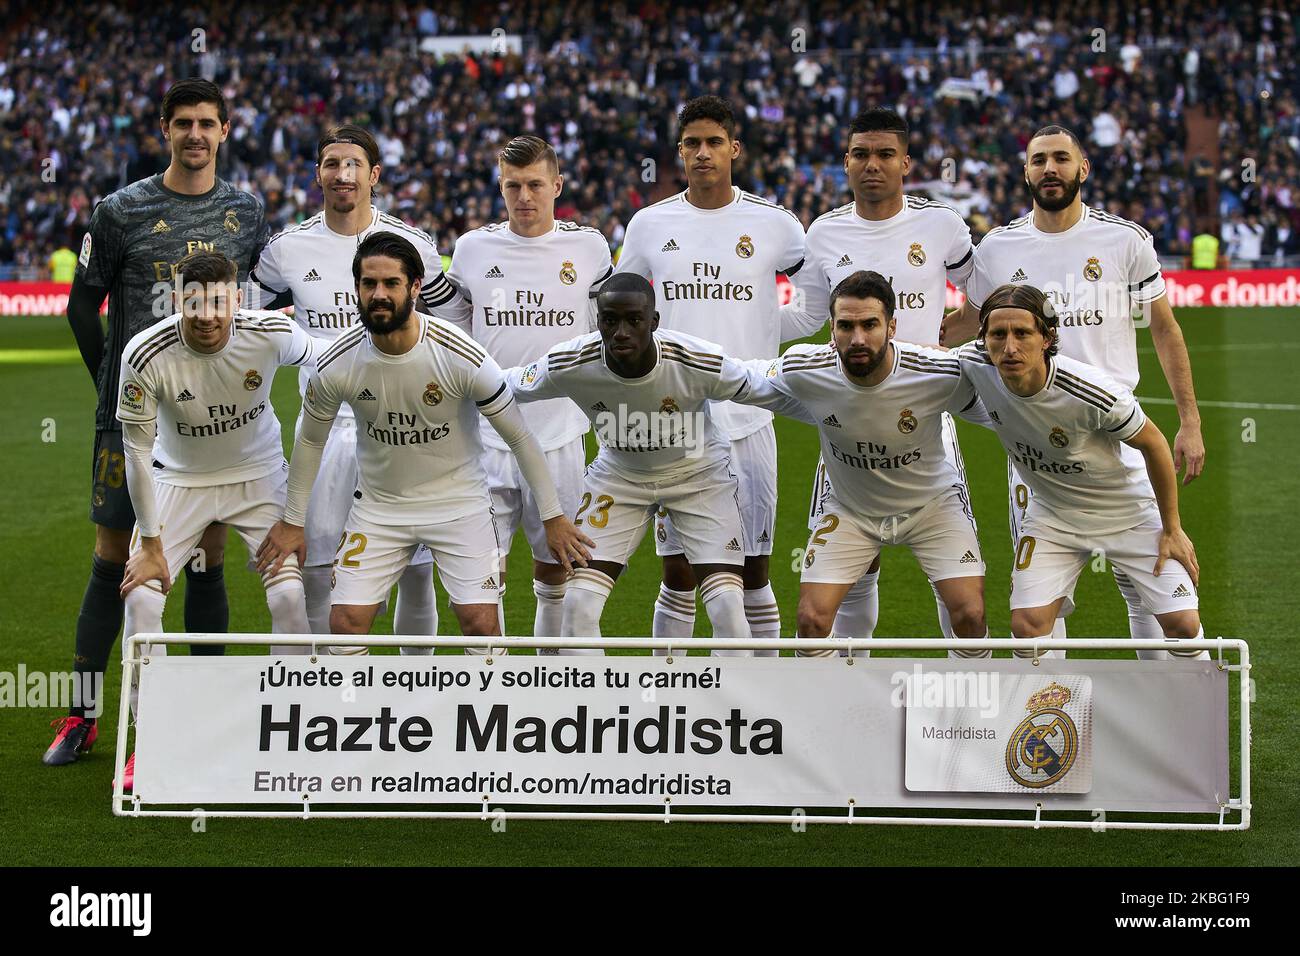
{"x": 185, "y": 396}
{"x": 1019, "y": 276}
{"x": 366, "y": 396}
{"x": 600, "y": 407}
{"x": 844, "y": 261}
{"x": 764, "y": 538}
{"x": 312, "y": 276}
{"x": 161, "y": 226}
{"x": 1181, "y": 591}
{"x": 494, "y": 273}
{"x": 732, "y": 545}
{"x": 489, "y": 585}
{"x": 969, "y": 558}
{"x": 671, "y": 246}
{"x": 832, "y": 421}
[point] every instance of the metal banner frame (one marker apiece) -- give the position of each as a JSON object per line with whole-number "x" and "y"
{"x": 127, "y": 805}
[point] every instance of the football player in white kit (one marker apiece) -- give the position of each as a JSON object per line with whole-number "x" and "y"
{"x": 649, "y": 394}
{"x": 1097, "y": 268}
{"x": 310, "y": 265}
{"x": 920, "y": 246}
{"x": 417, "y": 386}
{"x": 528, "y": 284}
{"x": 203, "y": 443}
{"x": 1064, "y": 423}
{"x": 881, "y": 406}
{"x": 713, "y": 252}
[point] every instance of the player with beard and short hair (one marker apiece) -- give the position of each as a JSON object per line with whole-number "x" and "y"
{"x": 920, "y": 246}
{"x": 532, "y": 281}
{"x": 310, "y": 265}
{"x": 1096, "y": 268}
{"x": 136, "y": 237}
{"x": 881, "y": 405}
{"x": 713, "y": 252}
{"x": 416, "y": 386}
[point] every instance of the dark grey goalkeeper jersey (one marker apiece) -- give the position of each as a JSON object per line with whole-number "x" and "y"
{"x": 136, "y": 237}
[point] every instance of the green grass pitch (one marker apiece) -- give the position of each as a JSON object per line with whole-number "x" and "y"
{"x": 1240, "y": 516}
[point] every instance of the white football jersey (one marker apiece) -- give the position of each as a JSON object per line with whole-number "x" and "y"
{"x": 216, "y": 424}
{"x": 418, "y": 451}
{"x": 1065, "y": 442}
{"x": 1096, "y": 273}
{"x": 527, "y": 295}
{"x": 715, "y": 272}
{"x": 313, "y": 263}
{"x": 658, "y": 427}
{"x": 919, "y": 250}
{"x": 882, "y": 444}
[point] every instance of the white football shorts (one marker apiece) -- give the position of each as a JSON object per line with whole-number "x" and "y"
{"x": 372, "y": 557}
{"x": 615, "y": 513}
{"x": 753, "y": 461}
{"x": 513, "y": 503}
{"x": 250, "y": 507}
{"x": 1048, "y": 562}
{"x": 941, "y": 535}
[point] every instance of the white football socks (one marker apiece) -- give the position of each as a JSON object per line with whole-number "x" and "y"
{"x": 763, "y": 616}
{"x": 584, "y": 602}
{"x": 287, "y": 601}
{"x": 674, "y": 616}
{"x": 723, "y": 594}
{"x": 144, "y": 614}
{"x": 416, "y": 612}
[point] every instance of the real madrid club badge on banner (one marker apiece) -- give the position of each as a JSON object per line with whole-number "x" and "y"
{"x": 999, "y": 733}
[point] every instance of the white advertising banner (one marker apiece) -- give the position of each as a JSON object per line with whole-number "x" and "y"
{"x": 699, "y": 732}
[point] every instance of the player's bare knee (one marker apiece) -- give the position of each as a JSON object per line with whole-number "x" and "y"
{"x": 755, "y": 574}
{"x": 112, "y": 545}
{"x": 477, "y": 620}
{"x": 1030, "y": 622}
{"x": 814, "y": 621}
{"x": 1180, "y": 625}
{"x": 677, "y": 573}
{"x": 350, "y": 619}
{"x": 547, "y": 573}
{"x": 968, "y": 619}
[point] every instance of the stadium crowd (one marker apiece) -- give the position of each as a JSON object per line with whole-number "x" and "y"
{"x": 79, "y": 88}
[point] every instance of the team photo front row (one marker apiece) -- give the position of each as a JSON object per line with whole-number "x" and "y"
{"x": 204, "y": 447}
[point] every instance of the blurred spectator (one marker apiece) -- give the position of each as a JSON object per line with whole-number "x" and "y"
{"x": 80, "y": 86}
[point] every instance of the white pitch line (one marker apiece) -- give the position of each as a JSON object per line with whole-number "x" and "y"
{"x": 1231, "y": 347}
{"x": 1201, "y": 403}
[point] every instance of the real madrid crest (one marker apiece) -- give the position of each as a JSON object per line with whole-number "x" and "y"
{"x": 906, "y": 421}
{"x": 1092, "y": 269}
{"x": 252, "y": 380}
{"x": 809, "y": 557}
{"x": 231, "y": 222}
{"x": 916, "y": 255}
{"x": 668, "y": 407}
{"x": 1058, "y": 437}
{"x": 745, "y": 247}
{"x": 568, "y": 274}
{"x": 310, "y": 394}
{"x": 432, "y": 394}
{"x": 1043, "y": 747}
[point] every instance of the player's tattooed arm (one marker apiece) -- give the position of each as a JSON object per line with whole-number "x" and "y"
{"x": 1171, "y": 349}
{"x": 148, "y": 563}
{"x": 1174, "y": 543}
